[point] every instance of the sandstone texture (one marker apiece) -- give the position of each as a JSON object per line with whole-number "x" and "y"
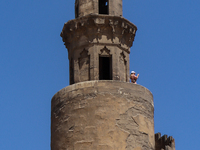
{"x": 102, "y": 115}
{"x": 91, "y": 37}
{"x": 101, "y": 110}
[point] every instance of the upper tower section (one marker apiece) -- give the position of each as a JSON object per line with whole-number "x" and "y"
{"x": 98, "y": 41}
{"x": 98, "y": 7}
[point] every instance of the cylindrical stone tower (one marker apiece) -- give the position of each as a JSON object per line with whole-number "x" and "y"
{"x": 101, "y": 110}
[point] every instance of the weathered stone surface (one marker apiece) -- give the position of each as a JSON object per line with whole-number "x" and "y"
{"x": 102, "y": 115}
{"x": 101, "y": 110}
{"x": 84, "y": 64}
{"x": 164, "y": 142}
{"x": 95, "y": 29}
{"x": 90, "y": 37}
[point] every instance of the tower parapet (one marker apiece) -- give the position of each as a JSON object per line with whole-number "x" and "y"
{"x": 164, "y": 142}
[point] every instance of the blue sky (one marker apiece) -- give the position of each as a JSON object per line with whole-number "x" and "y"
{"x": 34, "y": 66}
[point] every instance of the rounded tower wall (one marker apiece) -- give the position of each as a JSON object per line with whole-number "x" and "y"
{"x": 102, "y": 115}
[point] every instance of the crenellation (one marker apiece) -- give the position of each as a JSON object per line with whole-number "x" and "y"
{"x": 164, "y": 142}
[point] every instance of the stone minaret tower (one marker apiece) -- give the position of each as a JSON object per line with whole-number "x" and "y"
{"x": 101, "y": 110}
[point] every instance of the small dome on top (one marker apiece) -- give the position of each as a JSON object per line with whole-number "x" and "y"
{"x": 104, "y": 7}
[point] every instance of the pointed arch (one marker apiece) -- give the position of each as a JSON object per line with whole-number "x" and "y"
{"x": 105, "y": 64}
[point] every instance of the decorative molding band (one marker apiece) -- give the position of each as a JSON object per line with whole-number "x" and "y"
{"x": 91, "y": 29}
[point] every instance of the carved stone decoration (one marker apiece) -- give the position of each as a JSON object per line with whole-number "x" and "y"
{"x": 122, "y": 56}
{"x": 117, "y": 30}
{"x": 84, "y": 65}
{"x": 105, "y": 52}
{"x": 123, "y": 67}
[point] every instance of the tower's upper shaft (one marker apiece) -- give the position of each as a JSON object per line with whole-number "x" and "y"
{"x": 104, "y": 7}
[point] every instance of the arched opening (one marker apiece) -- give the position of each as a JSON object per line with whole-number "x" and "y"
{"x": 105, "y": 68}
{"x": 103, "y": 7}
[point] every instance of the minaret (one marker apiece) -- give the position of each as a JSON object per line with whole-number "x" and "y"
{"x": 101, "y": 110}
{"x": 98, "y": 41}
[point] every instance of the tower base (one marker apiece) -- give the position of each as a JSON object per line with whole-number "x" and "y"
{"x": 102, "y": 115}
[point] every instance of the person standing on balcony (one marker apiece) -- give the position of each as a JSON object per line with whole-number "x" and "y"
{"x": 133, "y": 77}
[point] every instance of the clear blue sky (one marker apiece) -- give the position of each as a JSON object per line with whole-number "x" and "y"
{"x": 34, "y": 66}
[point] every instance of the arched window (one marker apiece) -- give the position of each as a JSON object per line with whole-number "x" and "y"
{"x": 105, "y": 64}
{"x": 103, "y": 7}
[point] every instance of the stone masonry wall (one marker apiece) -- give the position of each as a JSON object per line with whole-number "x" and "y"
{"x": 94, "y": 36}
{"x": 102, "y": 115}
